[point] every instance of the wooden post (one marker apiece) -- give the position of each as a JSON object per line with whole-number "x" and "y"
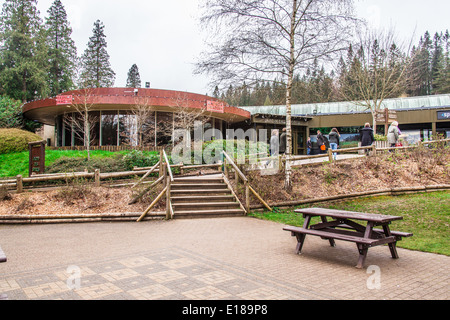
{"x": 97, "y": 178}
{"x": 19, "y": 184}
{"x": 374, "y": 150}
{"x": 225, "y": 168}
{"x": 168, "y": 215}
{"x": 330, "y": 155}
{"x": 161, "y": 161}
{"x": 260, "y": 199}
{"x": 247, "y": 197}
{"x": 145, "y": 191}
{"x": 152, "y": 205}
{"x": 164, "y": 174}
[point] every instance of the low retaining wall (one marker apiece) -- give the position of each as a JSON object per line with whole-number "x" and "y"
{"x": 371, "y": 193}
{"x": 133, "y": 216}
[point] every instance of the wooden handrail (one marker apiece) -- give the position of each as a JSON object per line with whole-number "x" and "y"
{"x": 169, "y": 169}
{"x": 235, "y": 167}
{"x": 153, "y": 204}
{"x": 146, "y": 175}
{"x": 248, "y": 188}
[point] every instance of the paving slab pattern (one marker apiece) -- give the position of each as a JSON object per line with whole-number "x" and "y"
{"x": 205, "y": 259}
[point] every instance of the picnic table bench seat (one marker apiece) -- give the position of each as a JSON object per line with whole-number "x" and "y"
{"x": 327, "y": 235}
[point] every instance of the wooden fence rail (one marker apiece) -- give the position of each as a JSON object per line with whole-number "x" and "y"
{"x": 19, "y": 182}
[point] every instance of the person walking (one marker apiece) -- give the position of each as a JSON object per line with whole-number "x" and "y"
{"x": 274, "y": 147}
{"x": 393, "y": 134}
{"x": 366, "y": 136}
{"x": 321, "y": 142}
{"x": 334, "y": 138}
{"x": 308, "y": 146}
{"x": 283, "y": 142}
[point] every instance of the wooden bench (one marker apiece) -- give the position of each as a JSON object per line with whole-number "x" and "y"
{"x": 2, "y": 256}
{"x": 327, "y": 235}
{"x": 344, "y": 228}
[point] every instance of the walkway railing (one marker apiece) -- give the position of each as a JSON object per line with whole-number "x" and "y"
{"x": 241, "y": 176}
{"x": 372, "y": 148}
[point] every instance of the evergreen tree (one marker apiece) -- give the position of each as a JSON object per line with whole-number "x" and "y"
{"x": 62, "y": 53}
{"x": 23, "y": 65}
{"x": 423, "y": 67}
{"x": 436, "y": 59}
{"x": 96, "y": 68}
{"x": 216, "y": 93}
{"x": 442, "y": 83}
{"x": 134, "y": 78}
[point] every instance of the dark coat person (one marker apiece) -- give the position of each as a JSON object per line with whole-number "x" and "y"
{"x": 321, "y": 142}
{"x": 283, "y": 141}
{"x": 366, "y": 136}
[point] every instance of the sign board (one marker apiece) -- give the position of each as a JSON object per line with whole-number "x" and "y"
{"x": 37, "y": 157}
{"x": 382, "y": 115}
{"x": 61, "y": 100}
{"x": 215, "y": 106}
{"x": 443, "y": 115}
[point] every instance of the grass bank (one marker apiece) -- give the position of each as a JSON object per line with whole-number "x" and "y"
{"x": 426, "y": 215}
{"x": 13, "y": 164}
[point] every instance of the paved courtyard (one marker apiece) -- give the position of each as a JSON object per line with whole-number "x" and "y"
{"x": 208, "y": 259}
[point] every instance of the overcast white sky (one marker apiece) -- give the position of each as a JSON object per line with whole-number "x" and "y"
{"x": 164, "y": 37}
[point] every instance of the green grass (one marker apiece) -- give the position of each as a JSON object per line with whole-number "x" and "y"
{"x": 426, "y": 215}
{"x": 13, "y": 164}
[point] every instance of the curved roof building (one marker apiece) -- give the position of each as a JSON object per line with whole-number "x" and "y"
{"x": 125, "y": 99}
{"x": 115, "y": 112}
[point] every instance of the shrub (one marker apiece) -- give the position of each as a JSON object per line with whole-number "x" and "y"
{"x": 380, "y": 137}
{"x": 67, "y": 164}
{"x": 137, "y": 158}
{"x": 10, "y": 113}
{"x": 16, "y": 140}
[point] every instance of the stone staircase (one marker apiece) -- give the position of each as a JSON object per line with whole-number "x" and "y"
{"x": 203, "y": 196}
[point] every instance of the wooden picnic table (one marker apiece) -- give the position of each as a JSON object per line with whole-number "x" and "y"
{"x": 344, "y": 227}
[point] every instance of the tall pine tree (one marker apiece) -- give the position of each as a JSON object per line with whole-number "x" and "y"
{"x": 134, "y": 78}
{"x": 62, "y": 53}
{"x": 442, "y": 83}
{"x": 23, "y": 64}
{"x": 96, "y": 68}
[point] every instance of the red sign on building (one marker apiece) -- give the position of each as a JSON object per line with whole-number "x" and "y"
{"x": 60, "y": 100}
{"x": 215, "y": 106}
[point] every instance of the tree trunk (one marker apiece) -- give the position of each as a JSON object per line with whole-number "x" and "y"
{"x": 288, "y": 153}
{"x": 87, "y": 134}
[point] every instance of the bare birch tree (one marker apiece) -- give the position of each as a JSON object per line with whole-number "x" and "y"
{"x": 380, "y": 69}
{"x": 83, "y": 121}
{"x": 271, "y": 40}
{"x": 144, "y": 115}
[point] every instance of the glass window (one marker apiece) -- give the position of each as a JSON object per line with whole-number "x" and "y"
{"x": 109, "y": 123}
{"x": 67, "y": 131}
{"x": 128, "y": 130}
{"x": 164, "y": 128}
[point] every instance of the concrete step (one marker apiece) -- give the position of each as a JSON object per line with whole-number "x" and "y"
{"x": 196, "y": 186}
{"x": 209, "y": 213}
{"x": 202, "y": 198}
{"x": 198, "y": 180}
{"x": 199, "y": 192}
{"x": 204, "y": 206}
